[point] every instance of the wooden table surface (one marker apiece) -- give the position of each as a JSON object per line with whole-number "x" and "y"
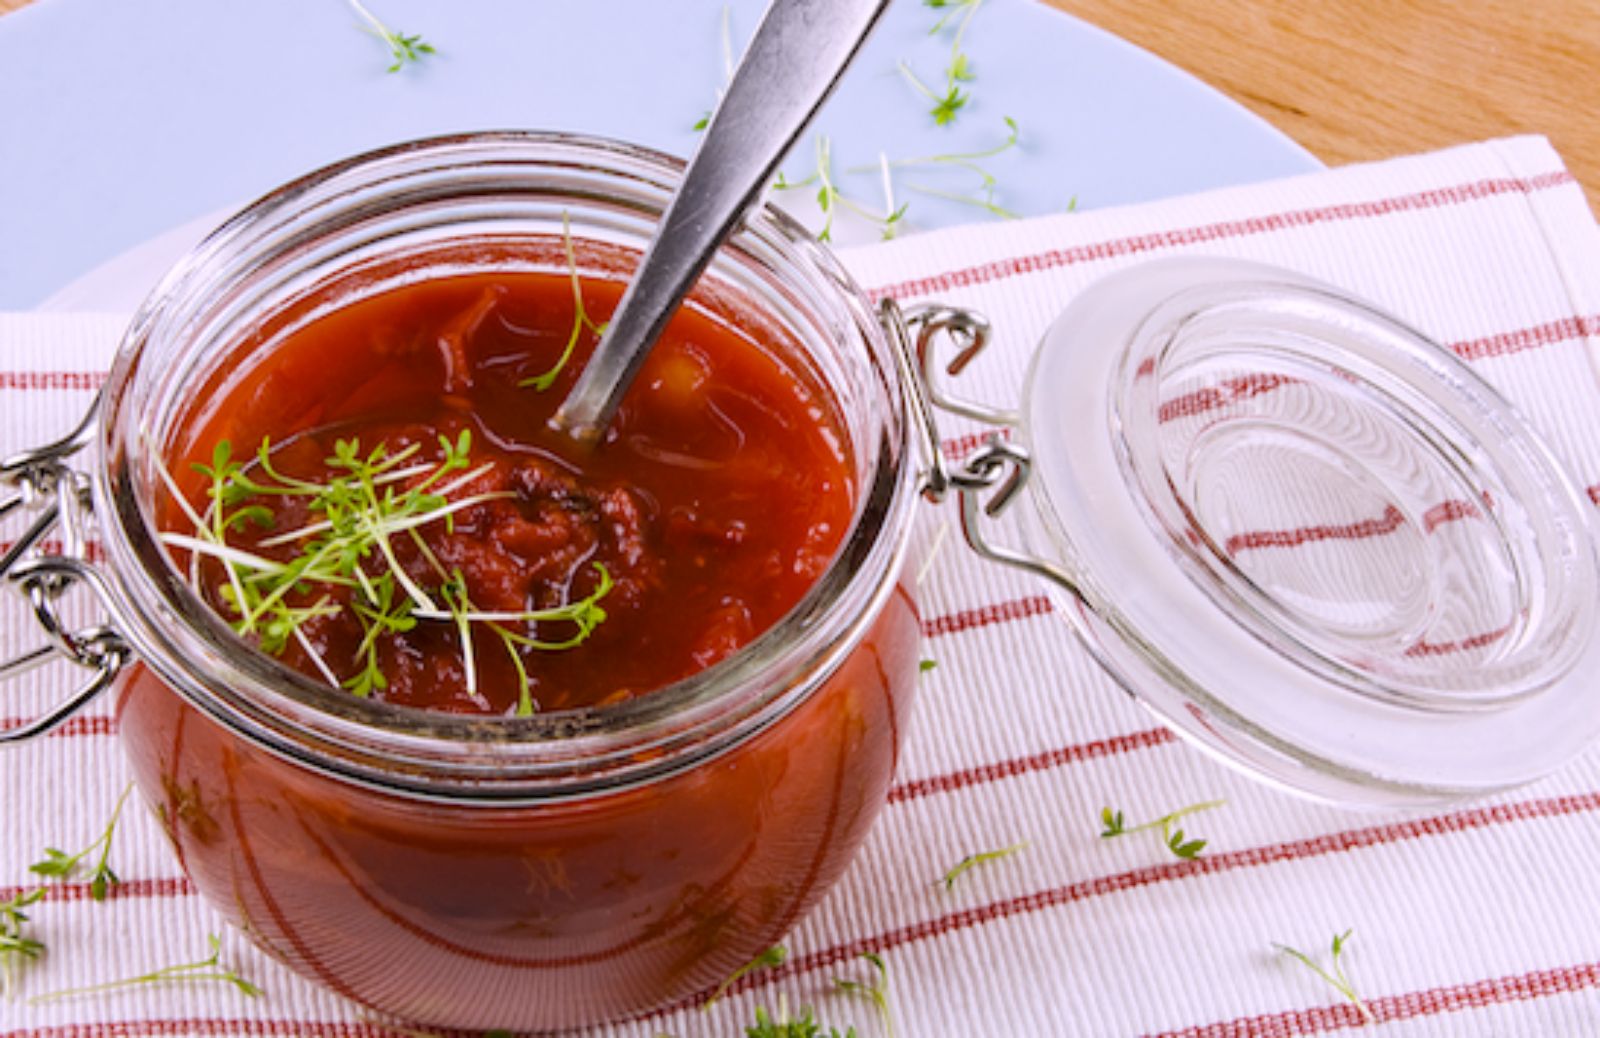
{"x": 1370, "y": 79}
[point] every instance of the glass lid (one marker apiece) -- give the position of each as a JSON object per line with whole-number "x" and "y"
{"x": 1310, "y": 538}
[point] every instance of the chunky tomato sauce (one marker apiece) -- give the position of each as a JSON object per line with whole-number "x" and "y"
{"x": 717, "y": 498}
{"x": 721, "y": 492}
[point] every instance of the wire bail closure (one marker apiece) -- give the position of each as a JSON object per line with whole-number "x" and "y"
{"x": 40, "y": 485}
{"x": 999, "y": 467}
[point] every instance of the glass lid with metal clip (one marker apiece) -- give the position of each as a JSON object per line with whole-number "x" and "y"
{"x": 1306, "y": 536}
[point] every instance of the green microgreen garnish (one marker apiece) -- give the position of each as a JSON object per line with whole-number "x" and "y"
{"x": 1115, "y": 825}
{"x": 958, "y": 68}
{"x": 983, "y": 196}
{"x": 876, "y": 991}
{"x": 773, "y": 956}
{"x": 15, "y": 944}
{"x": 380, "y": 613}
{"x": 784, "y": 1026}
{"x": 347, "y": 546}
{"x": 58, "y": 864}
{"x": 972, "y": 861}
{"x": 585, "y": 615}
{"x": 831, "y": 200}
{"x": 947, "y": 102}
{"x": 208, "y": 969}
{"x": 1336, "y": 978}
{"x": 893, "y": 214}
{"x": 923, "y": 666}
{"x": 402, "y": 48}
{"x": 580, "y": 317}
{"x": 945, "y": 105}
{"x": 951, "y": 8}
{"x": 828, "y": 196}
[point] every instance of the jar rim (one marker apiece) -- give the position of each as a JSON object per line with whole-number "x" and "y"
{"x": 429, "y": 754}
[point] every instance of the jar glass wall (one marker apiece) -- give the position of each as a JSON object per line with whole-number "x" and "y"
{"x": 542, "y": 872}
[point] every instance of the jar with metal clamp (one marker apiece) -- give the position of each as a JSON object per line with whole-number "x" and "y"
{"x": 1394, "y": 671}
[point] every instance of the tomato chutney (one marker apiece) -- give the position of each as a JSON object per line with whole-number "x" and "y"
{"x": 580, "y": 732}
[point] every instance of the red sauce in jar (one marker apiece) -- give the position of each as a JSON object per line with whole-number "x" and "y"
{"x": 723, "y": 489}
{"x": 718, "y": 496}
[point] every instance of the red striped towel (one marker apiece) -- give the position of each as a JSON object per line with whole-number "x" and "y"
{"x": 1483, "y": 919}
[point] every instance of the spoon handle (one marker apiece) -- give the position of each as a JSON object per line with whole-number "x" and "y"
{"x": 795, "y": 58}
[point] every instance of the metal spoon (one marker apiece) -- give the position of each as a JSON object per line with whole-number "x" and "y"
{"x": 798, "y": 53}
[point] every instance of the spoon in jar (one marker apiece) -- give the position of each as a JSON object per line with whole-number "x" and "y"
{"x": 795, "y": 58}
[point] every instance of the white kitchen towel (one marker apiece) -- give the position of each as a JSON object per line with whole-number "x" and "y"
{"x": 1476, "y": 920}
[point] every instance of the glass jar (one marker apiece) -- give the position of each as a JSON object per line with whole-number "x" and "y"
{"x": 1184, "y": 425}
{"x": 550, "y": 872}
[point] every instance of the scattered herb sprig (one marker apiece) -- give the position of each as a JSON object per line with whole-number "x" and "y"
{"x": 945, "y": 105}
{"x": 581, "y": 321}
{"x": 57, "y": 864}
{"x": 972, "y": 861}
{"x": 958, "y": 68}
{"x": 402, "y": 48}
{"x": 1115, "y": 825}
{"x": 1335, "y": 975}
{"x": 832, "y": 201}
{"x": 984, "y": 195}
{"x": 785, "y": 1026}
{"x": 776, "y": 955}
{"x": 207, "y": 969}
{"x": 359, "y": 512}
{"x": 16, "y": 946}
{"x": 875, "y": 991}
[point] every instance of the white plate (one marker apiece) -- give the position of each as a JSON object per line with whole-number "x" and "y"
{"x": 132, "y": 126}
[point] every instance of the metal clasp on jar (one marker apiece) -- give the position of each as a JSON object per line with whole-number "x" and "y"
{"x": 43, "y": 494}
{"x": 999, "y": 467}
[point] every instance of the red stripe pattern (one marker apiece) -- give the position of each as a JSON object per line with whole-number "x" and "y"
{"x": 959, "y": 447}
{"x": 98, "y": 724}
{"x": 986, "y": 616}
{"x": 94, "y": 551}
{"x": 1005, "y": 769}
{"x": 1523, "y": 987}
{"x": 178, "y": 886}
{"x": 1207, "y": 865}
{"x": 1448, "y": 512}
{"x": 1247, "y": 227}
{"x": 1189, "y": 405}
{"x": 1391, "y": 520}
{"x": 84, "y": 381}
{"x": 207, "y": 1027}
{"x": 1477, "y": 641}
{"x": 1213, "y": 397}
{"x": 1055, "y": 897}
{"x": 1567, "y": 330}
